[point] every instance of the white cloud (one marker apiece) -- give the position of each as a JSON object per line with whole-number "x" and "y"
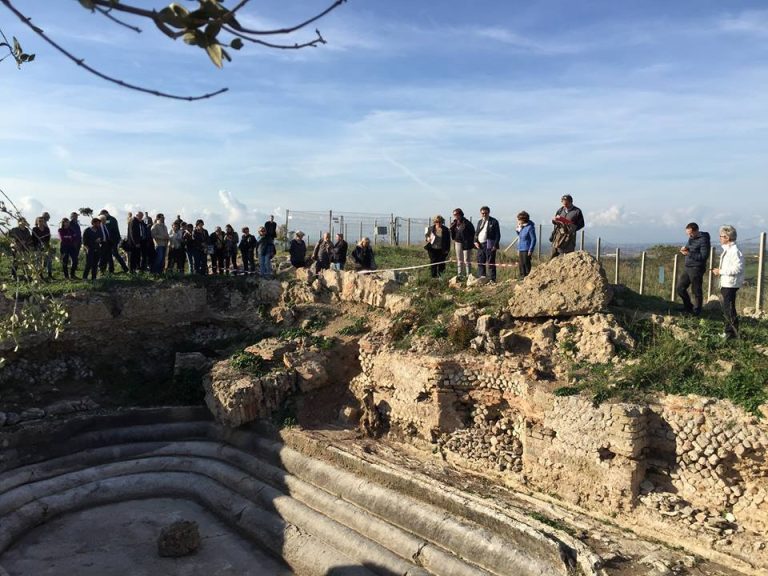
{"x": 748, "y": 21}
{"x": 611, "y": 216}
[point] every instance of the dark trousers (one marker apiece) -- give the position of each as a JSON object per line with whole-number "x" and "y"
{"x": 116, "y": 256}
{"x": 249, "y": 264}
{"x": 486, "y": 262}
{"x": 693, "y": 277}
{"x": 230, "y": 259}
{"x": 217, "y": 261}
{"x": 200, "y": 259}
{"x": 524, "y": 264}
{"x": 176, "y": 258}
{"x": 135, "y": 258}
{"x": 437, "y": 258}
{"x": 92, "y": 261}
{"x": 728, "y": 296}
{"x": 69, "y": 256}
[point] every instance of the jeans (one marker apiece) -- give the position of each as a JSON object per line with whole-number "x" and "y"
{"x": 265, "y": 266}
{"x": 159, "y": 264}
{"x": 69, "y": 256}
{"x": 337, "y": 266}
{"x": 463, "y": 261}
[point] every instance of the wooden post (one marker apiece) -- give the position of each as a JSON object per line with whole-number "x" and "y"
{"x": 760, "y": 264}
{"x": 642, "y": 273}
{"x": 330, "y": 222}
{"x": 581, "y": 244}
{"x": 709, "y": 274}
{"x": 287, "y": 239}
{"x": 674, "y": 278}
{"x": 541, "y": 240}
{"x": 616, "y": 271}
{"x": 360, "y": 234}
{"x": 408, "y": 234}
{"x": 375, "y": 231}
{"x": 393, "y": 231}
{"x": 597, "y": 249}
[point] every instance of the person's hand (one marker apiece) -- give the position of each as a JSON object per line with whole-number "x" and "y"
{"x": 684, "y": 251}
{"x": 716, "y": 271}
{"x": 530, "y": 253}
{"x": 477, "y": 245}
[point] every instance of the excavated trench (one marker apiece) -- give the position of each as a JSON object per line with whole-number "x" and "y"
{"x": 95, "y": 504}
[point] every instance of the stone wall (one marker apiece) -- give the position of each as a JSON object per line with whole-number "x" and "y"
{"x": 684, "y": 463}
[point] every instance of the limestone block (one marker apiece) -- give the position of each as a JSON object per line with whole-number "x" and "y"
{"x": 569, "y": 285}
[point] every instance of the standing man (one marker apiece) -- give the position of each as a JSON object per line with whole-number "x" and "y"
{"x": 487, "y": 237}
{"x": 94, "y": 239}
{"x": 568, "y": 220}
{"x": 77, "y": 241}
{"x": 271, "y": 227}
{"x": 113, "y": 229}
{"x": 161, "y": 239}
{"x": 696, "y": 252}
{"x": 137, "y": 239}
{"x": 339, "y": 254}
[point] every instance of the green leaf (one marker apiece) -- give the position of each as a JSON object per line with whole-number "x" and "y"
{"x": 175, "y": 15}
{"x": 236, "y": 44}
{"x": 215, "y": 53}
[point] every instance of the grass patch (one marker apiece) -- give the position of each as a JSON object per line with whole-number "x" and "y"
{"x": 249, "y": 362}
{"x": 358, "y": 326}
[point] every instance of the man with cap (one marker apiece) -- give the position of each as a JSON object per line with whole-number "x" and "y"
{"x": 298, "y": 250}
{"x": 568, "y": 220}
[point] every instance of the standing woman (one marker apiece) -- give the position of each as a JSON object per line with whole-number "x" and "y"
{"x": 463, "y": 235}
{"x": 438, "y": 245}
{"x": 298, "y": 250}
{"x": 41, "y": 235}
{"x": 363, "y": 256}
{"x": 266, "y": 250}
{"x": 526, "y": 234}
{"x": 731, "y": 273}
{"x": 68, "y": 247}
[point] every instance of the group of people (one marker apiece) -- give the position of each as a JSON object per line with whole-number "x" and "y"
{"x": 485, "y": 237}
{"x": 328, "y": 255}
{"x": 730, "y": 272}
{"x": 150, "y": 246}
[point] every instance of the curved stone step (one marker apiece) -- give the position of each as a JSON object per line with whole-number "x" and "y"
{"x": 362, "y": 521}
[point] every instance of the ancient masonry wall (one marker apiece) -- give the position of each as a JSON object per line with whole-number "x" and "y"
{"x": 701, "y": 460}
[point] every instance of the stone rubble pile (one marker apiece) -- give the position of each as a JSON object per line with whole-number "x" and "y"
{"x": 495, "y": 444}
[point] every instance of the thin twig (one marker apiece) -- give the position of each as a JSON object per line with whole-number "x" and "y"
{"x": 106, "y": 12}
{"x": 312, "y": 43}
{"x": 80, "y": 62}
{"x": 332, "y": 7}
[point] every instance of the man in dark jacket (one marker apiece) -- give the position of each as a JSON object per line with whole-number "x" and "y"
{"x": 487, "y": 238}
{"x": 138, "y": 237}
{"x": 271, "y": 227}
{"x": 113, "y": 229}
{"x": 247, "y": 247}
{"x": 696, "y": 252}
{"x": 567, "y": 220}
{"x": 339, "y": 254}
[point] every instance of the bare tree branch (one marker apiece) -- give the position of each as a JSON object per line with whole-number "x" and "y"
{"x": 80, "y": 62}
{"x": 107, "y": 13}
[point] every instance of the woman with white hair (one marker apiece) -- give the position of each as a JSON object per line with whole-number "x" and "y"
{"x": 731, "y": 273}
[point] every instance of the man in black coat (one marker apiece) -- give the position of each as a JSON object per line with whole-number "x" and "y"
{"x": 696, "y": 252}
{"x": 487, "y": 238}
{"x": 113, "y": 229}
{"x": 339, "y": 254}
{"x": 271, "y": 227}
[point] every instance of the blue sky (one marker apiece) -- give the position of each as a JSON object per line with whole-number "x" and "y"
{"x": 651, "y": 114}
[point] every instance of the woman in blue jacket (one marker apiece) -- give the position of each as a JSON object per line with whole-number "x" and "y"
{"x": 526, "y": 234}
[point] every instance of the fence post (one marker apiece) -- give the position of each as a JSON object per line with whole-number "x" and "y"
{"x": 642, "y": 273}
{"x": 375, "y": 231}
{"x": 709, "y": 274}
{"x": 360, "y": 235}
{"x": 541, "y": 239}
{"x": 330, "y": 222}
{"x": 616, "y": 271}
{"x": 393, "y": 231}
{"x": 287, "y": 239}
{"x": 760, "y": 263}
{"x": 597, "y": 250}
{"x": 674, "y": 278}
{"x": 581, "y": 244}
{"x": 408, "y": 235}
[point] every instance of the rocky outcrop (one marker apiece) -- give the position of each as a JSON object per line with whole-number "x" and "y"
{"x": 378, "y": 290}
{"x": 235, "y": 397}
{"x": 568, "y": 285}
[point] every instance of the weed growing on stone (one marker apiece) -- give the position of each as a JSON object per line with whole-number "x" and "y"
{"x": 249, "y": 362}
{"x": 358, "y": 326}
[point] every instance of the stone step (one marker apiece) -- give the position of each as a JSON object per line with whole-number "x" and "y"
{"x": 314, "y": 514}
